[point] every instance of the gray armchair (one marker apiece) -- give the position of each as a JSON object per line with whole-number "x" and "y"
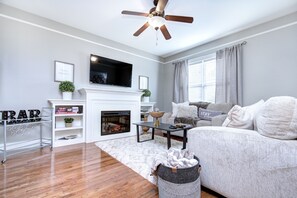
{"x": 200, "y": 121}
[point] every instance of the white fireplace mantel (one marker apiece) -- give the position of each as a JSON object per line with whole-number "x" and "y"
{"x": 110, "y": 91}
{"x": 98, "y": 100}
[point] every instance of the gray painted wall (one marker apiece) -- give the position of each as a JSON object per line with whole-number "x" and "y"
{"x": 27, "y": 55}
{"x": 269, "y": 60}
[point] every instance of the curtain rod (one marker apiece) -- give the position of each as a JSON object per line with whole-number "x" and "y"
{"x": 214, "y": 48}
{"x": 244, "y": 43}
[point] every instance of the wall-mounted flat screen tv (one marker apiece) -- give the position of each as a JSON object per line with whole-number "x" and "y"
{"x": 110, "y": 72}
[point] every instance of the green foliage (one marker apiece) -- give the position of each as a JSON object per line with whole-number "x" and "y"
{"x": 146, "y": 93}
{"x": 68, "y": 120}
{"x": 66, "y": 86}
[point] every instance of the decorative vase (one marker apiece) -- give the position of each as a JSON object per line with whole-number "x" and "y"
{"x": 144, "y": 128}
{"x": 157, "y": 115}
{"x": 68, "y": 124}
{"x": 67, "y": 95}
{"x": 145, "y": 99}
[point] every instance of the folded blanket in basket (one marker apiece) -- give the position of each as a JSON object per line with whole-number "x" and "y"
{"x": 175, "y": 158}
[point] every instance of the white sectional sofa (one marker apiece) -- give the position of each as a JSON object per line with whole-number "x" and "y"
{"x": 243, "y": 163}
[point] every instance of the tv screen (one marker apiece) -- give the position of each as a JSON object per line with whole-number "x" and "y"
{"x": 110, "y": 72}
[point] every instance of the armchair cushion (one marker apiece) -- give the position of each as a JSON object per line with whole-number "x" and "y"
{"x": 187, "y": 111}
{"x": 168, "y": 118}
{"x": 175, "y": 107}
{"x": 218, "y": 120}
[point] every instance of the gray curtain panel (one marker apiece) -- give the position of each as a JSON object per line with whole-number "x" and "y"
{"x": 180, "y": 89}
{"x": 229, "y": 75}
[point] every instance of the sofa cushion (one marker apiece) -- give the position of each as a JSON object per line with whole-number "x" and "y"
{"x": 187, "y": 111}
{"x": 206, "y": 114}
{"x": 242, "y": 117}
{"x": 223, "y": 107}
{"x": 278, "y": 118}
{"x": 203, "y": 123}
{"x": 175, "y": 107}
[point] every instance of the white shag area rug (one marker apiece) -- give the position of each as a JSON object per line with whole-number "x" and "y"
{"x": 138, "y": 156}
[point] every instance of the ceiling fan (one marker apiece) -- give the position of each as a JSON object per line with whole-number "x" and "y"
{"x": 156, "y": 18}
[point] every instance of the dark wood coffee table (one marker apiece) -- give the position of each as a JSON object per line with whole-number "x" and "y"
{"x": 164, "y": 127}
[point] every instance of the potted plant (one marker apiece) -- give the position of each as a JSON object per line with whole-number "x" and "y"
{"x": 68, "y": 122}
{"x": 67, "y": 88}
{"x": 146, "y": 95}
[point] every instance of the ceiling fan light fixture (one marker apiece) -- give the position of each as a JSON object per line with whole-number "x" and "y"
{"x": 156, "y": 21}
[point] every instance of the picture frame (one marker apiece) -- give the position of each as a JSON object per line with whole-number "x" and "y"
{"x": 64, "y": 71}
{"x": 143, "y": 82}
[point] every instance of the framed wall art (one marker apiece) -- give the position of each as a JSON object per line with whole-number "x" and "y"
{"x": 143, "y": 82}
{"x": 64, "y": 71}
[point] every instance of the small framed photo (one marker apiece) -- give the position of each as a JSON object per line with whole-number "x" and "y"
{"x": 64, "y": 71}
{"x": 143, "y": 82}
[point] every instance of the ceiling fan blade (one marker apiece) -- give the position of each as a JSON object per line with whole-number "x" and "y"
{"x": 165, "y": 32}
{"x": 183, "y": 19}
{"x": 161, "y": 5}
{"x": 135, "y": 13}
{"x": 141, "y": 29}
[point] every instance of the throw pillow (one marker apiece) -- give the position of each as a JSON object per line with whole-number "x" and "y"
{"x": 278, "y": 118}
{"x": 175, "y": 107}
{"x": 187, "y": 111}
{"x": 200, "y": 104}
{"x": 205, "y": 114}
{"x": 243, "y": 117}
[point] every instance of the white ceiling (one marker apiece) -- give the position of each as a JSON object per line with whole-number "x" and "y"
{"x": 212, "y": 19}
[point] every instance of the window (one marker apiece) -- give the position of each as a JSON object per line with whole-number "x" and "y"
{"x": 202, "y": 79}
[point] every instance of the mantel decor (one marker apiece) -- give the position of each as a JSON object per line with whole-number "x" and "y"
{"x": 64, "y": 71}
{"x": 143, "y": 82}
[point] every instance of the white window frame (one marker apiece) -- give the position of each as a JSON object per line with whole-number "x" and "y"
{"x": 202, "y": 60}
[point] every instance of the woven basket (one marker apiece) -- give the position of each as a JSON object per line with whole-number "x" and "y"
{"x": 181, "y": 182}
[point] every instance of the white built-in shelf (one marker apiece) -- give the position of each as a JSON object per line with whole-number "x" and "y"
{"x": 145, "y": 108}
{"x": 73, "y": 109}
{"x": 68, "y": 128}
{"x": 68, "y": 142}
{"x": 69, "y": 115}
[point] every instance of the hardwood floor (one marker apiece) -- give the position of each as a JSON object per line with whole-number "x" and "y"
{"x": 81, "y": 170}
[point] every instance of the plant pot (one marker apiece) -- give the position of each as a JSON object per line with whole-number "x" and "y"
{"x": 68, "y": 124}
{"x": 67, "y": 95}
{"x": 145, "y": 99}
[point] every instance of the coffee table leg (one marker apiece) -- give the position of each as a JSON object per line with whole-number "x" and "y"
{"x": 168, "y": 140}
{"x": 185, "y": 139}
{"x": 153, "y": 133}
{"x": 137, "y": 131}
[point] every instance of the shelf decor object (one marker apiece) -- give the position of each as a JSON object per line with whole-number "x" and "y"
{"x": 145, "y": 119}
{"x": 64, "y": 71}
{"x": 146, "y": 95}
{"x": 67, "y": 88}
{"x": 68, "y": 122}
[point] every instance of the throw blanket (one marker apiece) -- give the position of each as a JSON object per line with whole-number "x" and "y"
{"x": 175, "y": 158}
